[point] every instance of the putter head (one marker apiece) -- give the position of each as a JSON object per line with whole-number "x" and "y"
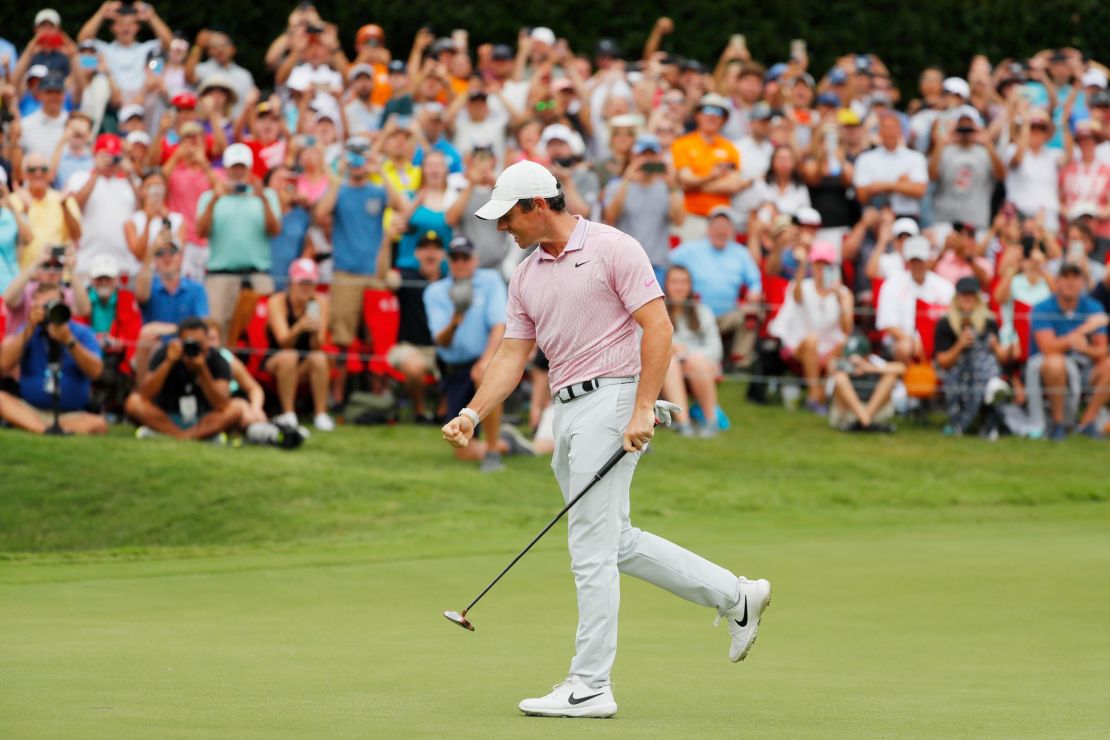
{"x": 664, "y": 411}
{"x": 459, "y": 619}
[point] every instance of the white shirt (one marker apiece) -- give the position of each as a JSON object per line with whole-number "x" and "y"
{"x": 490, "y": 131}
{"x": 882, "y": 165}
{"x": 138, "y": 218}
{"x": 755, "y": 159}
{"x": 127, "y": 64}
{"x": 241, "y": 81}
{"x": 42, "y": 133}
{"x": 1035, "y": 183}
{"x": 110, "y": 205}
{"x": 899, "y": 296}
{"x": 787, "y": 201}
{"x": 1102, "y": 152}
{"x": 891, "y": 264}
{"x": 817, "y": 315}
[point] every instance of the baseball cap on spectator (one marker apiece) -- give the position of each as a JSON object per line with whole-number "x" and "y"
{"x": 88, "y": 46}
{"x": 781, "y": 223}
{"x": 806, "y": 79}
{"x": 857, "y": 345}
{"x": 608, "y": 48}
{"x": 37, "y": 72}
{"x": 1040, "y": 115}
{"x": 460, "y": 245}
{"x": 561, "y": 84}
{"x": 127, "y": 112}
{"x": 300, "y": 78}
{"x": 823, "y": 252}
{"x": 880, "y": 98}
{"x": 477, "y": 95}
{"x": 103, "y": 265}
{"x": 838, "y": 77}
{"x": 761, "y": 111}
{"x": 369, "y": 31}
{"x": 775, "y": 72}
{"x": 521, "y": 181}
{"x": 304, "y": 270}
{"x": 647, "y": 143}
{"x": 806, "y": 216}
{"x": 847, "y": 117}
{"x": 48, "y": 15}
{"x": 906, "y": 227}
{"x": 397, "y": 67}
{"x": 916, "y": 248}
{"x": 220, "y": 82}
{"x": 832, "y": 100}
{"x": 442, "y": 45}
{"x": 1086, "y": 127}
{"x": 502, "y": 52}
{"x": 1082, "y": 209}
{"x": 430, "y": 237}
{"x": 1058, "y": 55}
{"x": 326, "y": 115}
{"x": 326, "y": 77}
{"x": 238, "y": 154}
{"x": 265, "y": 109}
{"x": 109, "y": 143}
{"x": 714, "y": 105}
{"x": 967, "y": 285}
{"x": 360, "y": 69}
{"x": 723, "y": 212}
{"x": 957, "y": 86}
{"x": 544, "y": 35}
{"x": 693, "y": 65}
{"x": 562, "y": 132}
{"x": 184, "y": 101}
{"x": 138, "y": 137}
{"x": 1094, "y": 78}
{"x": 52, "y": 82}
{"x": 970, "y": 113}
{"x": 191, "y": 128}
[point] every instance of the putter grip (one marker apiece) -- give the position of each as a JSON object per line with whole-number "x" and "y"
{"x": 613, "y": 460}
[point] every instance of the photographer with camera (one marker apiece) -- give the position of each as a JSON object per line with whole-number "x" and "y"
{"x": 47, "y": 270}
{"x": 965, "y": 167}
{"x": 295, "y": 331}
{"x": 116, "y": 320}
{"x": 126, "y": 56}
{"x": 186, "y": 393}
{"x": 107, "y": 198}
{"x": 58, "y": 359}
{"x": 238, "y": 217}
{"x": 564, "y": 149}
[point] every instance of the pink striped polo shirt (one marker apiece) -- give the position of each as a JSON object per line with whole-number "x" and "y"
{"x": 579, "y": 306}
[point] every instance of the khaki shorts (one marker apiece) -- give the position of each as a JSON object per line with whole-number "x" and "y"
{"x": 842, "y": 418}
{"x": 398, "y": 351}
{"x": 346, "y": 304}
{"x": 223, "y": 294}
{"x": 47, "y": 417}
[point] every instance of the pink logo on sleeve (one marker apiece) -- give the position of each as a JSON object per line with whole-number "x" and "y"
{"x": 649, "y": 283}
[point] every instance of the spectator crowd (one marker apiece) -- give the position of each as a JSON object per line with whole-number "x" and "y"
{"x": 206, "y": 249}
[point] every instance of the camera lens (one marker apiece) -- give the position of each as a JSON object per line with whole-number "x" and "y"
{"x": 57, "y": 312}
{"x": 191, "y": 347}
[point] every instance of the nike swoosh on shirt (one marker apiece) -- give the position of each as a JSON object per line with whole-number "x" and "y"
{"x": 649, "y": 283}
{"x": 579, "y": 264}
{"x": 574, "y": 700}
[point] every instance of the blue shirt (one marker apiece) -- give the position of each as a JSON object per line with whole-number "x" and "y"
{"x": 357, "y": 232}
{"x": 76, "y": 387}
{"x": 421, "y": 221}
{"x": 9, "y": 238}
{"x": 288, "y": 245}
{"x": 189, "y": 300}
{"x": 718, "y": 274}
{"x": 454, "y": 160}
{"x": 69, "y": 164}
{"x": 486, "y": 312}
{"x": 1048, "y": 315}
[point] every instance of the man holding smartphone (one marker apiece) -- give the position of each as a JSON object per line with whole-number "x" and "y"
{"x": 107, "y": 199}
{"x": 186, "y": 393}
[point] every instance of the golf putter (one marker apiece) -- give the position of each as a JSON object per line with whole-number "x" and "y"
{"x": 664, "y": 411}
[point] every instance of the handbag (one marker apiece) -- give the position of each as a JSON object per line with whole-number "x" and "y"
{"x": 920, "y": 380}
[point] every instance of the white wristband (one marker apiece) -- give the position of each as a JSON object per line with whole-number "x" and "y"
{"x": 472, "y": 415}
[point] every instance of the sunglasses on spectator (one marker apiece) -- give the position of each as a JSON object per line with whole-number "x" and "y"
{"x": 165, "y": 252}
{"x": 458, "y": 256}
{"x": 36, "y": 170}
{"x": 545, "y": 105}
{"x": 1039, "y": 126}
{"x": 623, "y": 132}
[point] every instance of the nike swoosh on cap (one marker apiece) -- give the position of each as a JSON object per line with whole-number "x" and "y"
{"x": 574, "y": 700}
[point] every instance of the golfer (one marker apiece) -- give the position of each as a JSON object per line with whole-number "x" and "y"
{"x": 581, "y": 296}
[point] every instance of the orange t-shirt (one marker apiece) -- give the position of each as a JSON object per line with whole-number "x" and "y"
{"x": 383, "y": 91}
{"x": 700, "y": 156}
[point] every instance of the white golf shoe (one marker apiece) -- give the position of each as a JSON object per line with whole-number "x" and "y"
{"x": 572, "y": 698}
{"x": 743, "y": 619}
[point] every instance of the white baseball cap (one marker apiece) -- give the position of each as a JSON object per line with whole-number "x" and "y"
{"x": 806, "y": 216}
{"x": 131, "y": 110}
{"x": 957, "y": 86}
{"x": 103, "y": 265}
{"x": 38, "y": 71}
{"x": 544, "y": 35}
{"x": 238, "y": 154}
{"x": 138, "y": 137}
{"x": 300, "y": 79}
{"x": 916, "y": 248}
{"x": 906, "y": 226}
{"x": 562, "y": 132}
{"x": 360, "y": 69}
{"x": 48, "y": 15}
{"x": 969, "y": 112}
{"x": 522, "y": 181}
{"x": 1094, "y": 78}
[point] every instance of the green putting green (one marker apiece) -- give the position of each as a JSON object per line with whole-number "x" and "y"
{"x": 924, "y": 587}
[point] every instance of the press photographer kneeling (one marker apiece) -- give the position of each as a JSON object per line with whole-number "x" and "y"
{"x": 186, "y": 392}
{"x": 58, "y": 359}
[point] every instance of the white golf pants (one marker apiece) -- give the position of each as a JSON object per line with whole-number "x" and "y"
{"x": 602, "y": 541}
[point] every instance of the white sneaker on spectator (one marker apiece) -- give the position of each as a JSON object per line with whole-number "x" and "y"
{"x": 288, "y": 419}
{"x": 572, "y": 698}
{"x": 743, "y": 619}
{"x": 323, "y": 422}
{"x": 146, "y": 433}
